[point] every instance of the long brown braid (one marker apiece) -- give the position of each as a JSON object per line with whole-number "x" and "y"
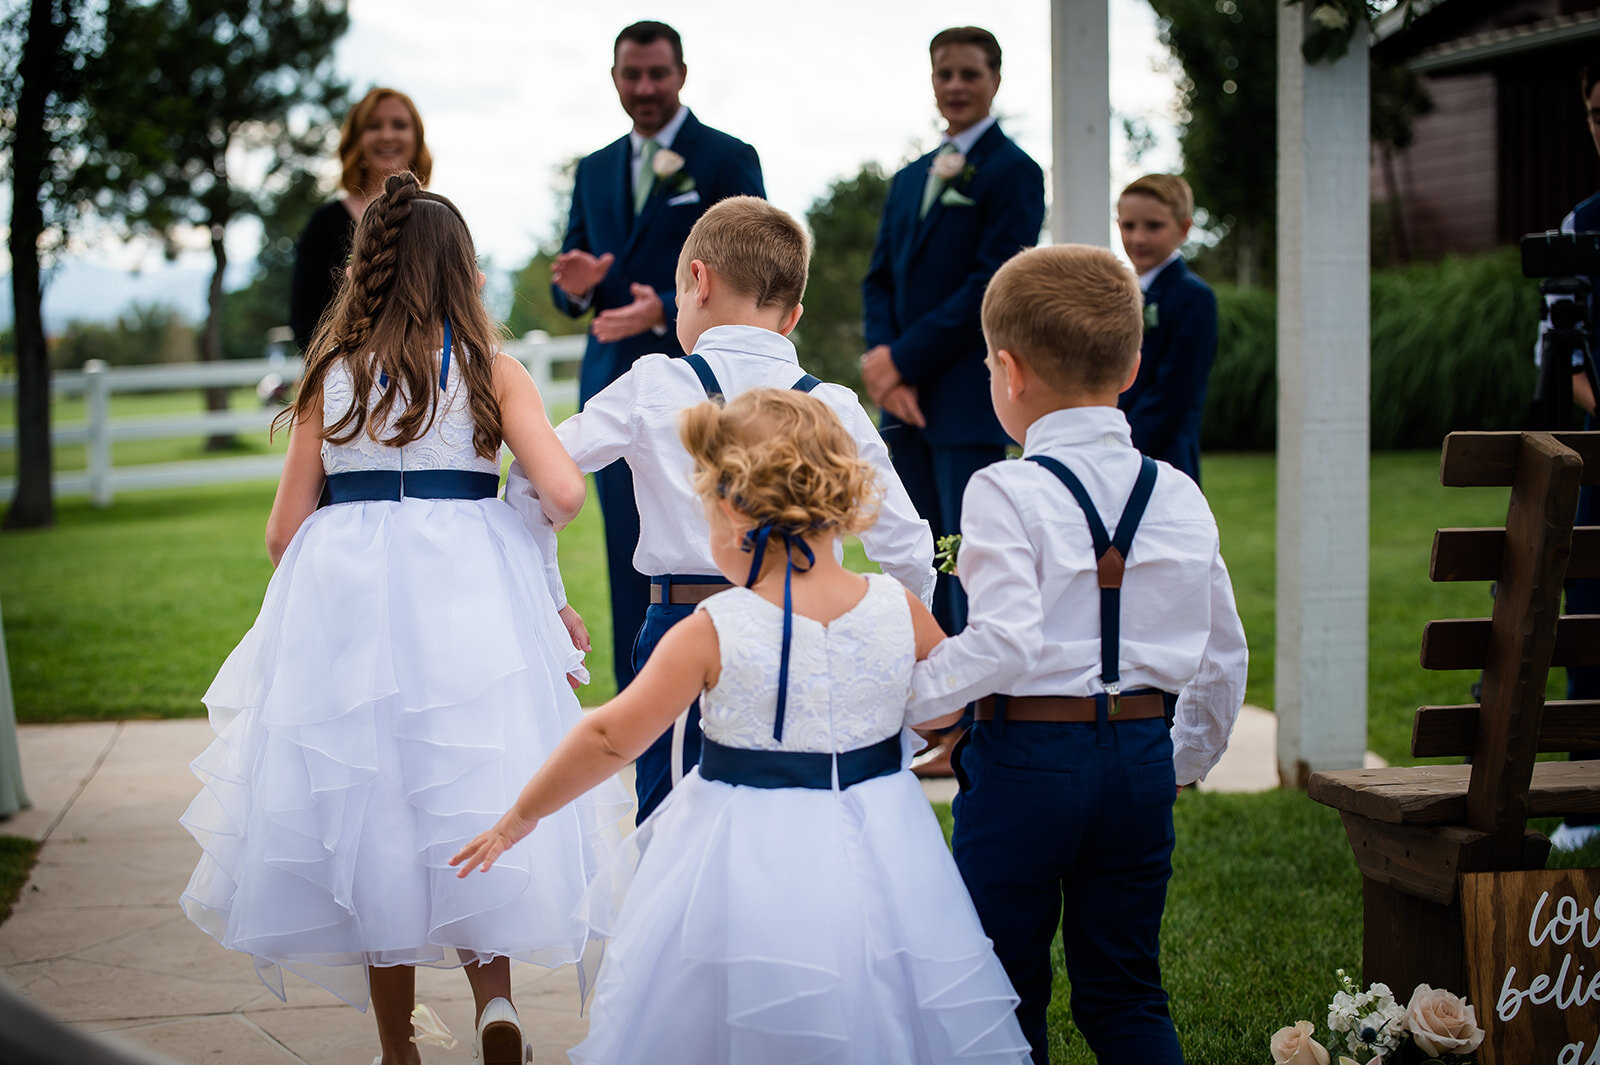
{"x": 412, "y": 266}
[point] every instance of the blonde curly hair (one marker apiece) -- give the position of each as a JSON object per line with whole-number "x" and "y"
{"x": 781, "y": 456}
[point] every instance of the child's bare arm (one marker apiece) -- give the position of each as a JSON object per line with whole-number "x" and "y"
{"x": 685, "y": 663}
{"x": 928, "y": 633}
{"x": 299, "y": 487}
{"x": 532, "y": 440}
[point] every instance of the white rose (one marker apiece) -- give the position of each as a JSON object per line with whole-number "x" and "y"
{"x": 1330, "y": 17}
{"x": 1442, "y": 1023}
{"x": 666, "y": 163}
{"x": 945, "y": 166}
{"x": 1294, "y": 1046}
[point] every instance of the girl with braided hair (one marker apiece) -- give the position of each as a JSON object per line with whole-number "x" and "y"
{"x": 792, "y": 900}
{"x": 409, "y": 667}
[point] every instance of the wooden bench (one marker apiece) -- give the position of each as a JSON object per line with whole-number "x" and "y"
{"x": 1415, "y": 830}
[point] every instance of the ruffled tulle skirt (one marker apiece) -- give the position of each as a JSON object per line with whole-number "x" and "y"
{"x": 758, "y": 926}
{"x": 405, "y": 678}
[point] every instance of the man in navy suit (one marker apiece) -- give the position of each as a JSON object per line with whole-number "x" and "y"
{"x": 951, "y": 219}
{"x": 1165, "y": 403}
{"x": 633, "y": 203}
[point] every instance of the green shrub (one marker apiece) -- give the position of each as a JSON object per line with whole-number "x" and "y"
{"x": 1452, "y": 348}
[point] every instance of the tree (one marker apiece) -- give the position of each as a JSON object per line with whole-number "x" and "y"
{"x": 1227, "y": 101}
{"x": 45, "y": 52}
{"x": 197, "y": 81}
{"x": 844, "y": 226}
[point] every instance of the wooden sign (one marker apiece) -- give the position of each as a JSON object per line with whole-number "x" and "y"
{"x": 1533, "y": 965}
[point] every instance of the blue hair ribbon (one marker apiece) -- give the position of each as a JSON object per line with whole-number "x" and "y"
{"x": 755, "y": 541}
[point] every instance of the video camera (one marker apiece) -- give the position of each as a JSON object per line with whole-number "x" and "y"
{"x": 1568, "y": 262}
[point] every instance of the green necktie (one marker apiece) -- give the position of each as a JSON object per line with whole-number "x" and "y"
{"x": 931, "y": 188}
{"x": 647, "y": 176}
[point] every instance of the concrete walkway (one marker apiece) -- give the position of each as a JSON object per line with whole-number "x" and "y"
{"x": 98, "y": 940}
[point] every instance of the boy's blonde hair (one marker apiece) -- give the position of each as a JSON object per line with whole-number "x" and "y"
{"x": 781, "y": 456}
{"x": 1072, "y": 312}
{"x": 1169, "y": 189}
{"x": 758, "y": 249}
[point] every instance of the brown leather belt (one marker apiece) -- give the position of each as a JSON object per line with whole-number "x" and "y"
{"x": 687, "y": 594}
{"x": 1072, "y": 708}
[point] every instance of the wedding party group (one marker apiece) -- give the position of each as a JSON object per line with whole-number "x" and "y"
{"x": 402, "y": 774}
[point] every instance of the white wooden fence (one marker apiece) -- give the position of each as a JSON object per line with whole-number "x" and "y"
{"x": 100, "y": 480}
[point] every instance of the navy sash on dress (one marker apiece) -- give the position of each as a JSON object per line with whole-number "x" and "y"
{"x": 797, "y": 769}
{"x": 370, "y": 486}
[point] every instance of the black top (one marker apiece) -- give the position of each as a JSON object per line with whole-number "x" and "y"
{"x": 319, "y": 261}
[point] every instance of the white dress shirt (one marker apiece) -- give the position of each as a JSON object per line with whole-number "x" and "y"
{"x": 635, "y": 418}
{"x": 1148, "y": 278}
{"x": 1027, "y": 563}
{"x": 969, "y": 136}
{"x": 663, "y": 138}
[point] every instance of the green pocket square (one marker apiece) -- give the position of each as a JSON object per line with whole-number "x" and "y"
{"x": 1152, "y": 315}
{"x": 954, "y": 198}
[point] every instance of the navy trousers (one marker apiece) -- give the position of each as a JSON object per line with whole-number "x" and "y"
{"x": 1070, "y": 825}
{"x": 652, "y": 773}
{"x": 935, "y": 478}
{"x": 630, "y": 589}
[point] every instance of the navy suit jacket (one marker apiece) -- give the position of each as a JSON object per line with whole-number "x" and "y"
{"x": 1168, "y": 398}
{"x": 647, "y": 246}
{"x": 924, "y": 289}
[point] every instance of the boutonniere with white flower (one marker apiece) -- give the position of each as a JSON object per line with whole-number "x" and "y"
{"x": 953, "y": 169}
{"x": 1152, "y": 315}
{"x": 946, "y": 550}
{"x": 667, "y": 165}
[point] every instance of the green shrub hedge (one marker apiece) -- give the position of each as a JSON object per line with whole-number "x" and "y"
{"x": 1452, "y": 348}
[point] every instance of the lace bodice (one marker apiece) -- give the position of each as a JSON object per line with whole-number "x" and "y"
{"x": 849, "y": 680}
{"x": 447, "y": 445}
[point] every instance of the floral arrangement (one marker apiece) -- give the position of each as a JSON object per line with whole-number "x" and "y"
{"x": 953, "y": 169}
{"x": 1435, "y": 1025}
{"x": 945, "y": 551}
{"x": 1333, "y": 25}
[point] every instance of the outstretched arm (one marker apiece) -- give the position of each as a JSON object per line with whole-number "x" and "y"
{"x": 684, "y": 664}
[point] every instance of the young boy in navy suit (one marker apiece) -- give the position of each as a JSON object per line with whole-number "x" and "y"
{"x": 739, "y": 281}
{"x": 950, "y": 219}
{"x": 1068, "y": 776}
{"x": 1168, "y": 398}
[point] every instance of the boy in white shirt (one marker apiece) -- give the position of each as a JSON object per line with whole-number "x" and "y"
{"x": 740, "y": 278}
{"x": 1097, "y": 643}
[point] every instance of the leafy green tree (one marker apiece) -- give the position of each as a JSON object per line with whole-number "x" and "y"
{"x": 531, "y": 305}
{"x": 250, "y": 314}
{"x": 196, "y": 83}
{"x": 844, "y": 226}
{"x": 144, "y": 333}
{"x": 44, "y": 54}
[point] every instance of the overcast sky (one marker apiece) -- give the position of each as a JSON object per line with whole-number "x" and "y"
{"x": 510, "y": 89}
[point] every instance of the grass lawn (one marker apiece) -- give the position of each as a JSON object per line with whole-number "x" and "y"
{"x": 1264, "y": 905}
{"x": 16, "y": 859}
{"x": 128, "y": 612}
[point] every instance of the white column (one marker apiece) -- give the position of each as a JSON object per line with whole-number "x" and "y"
{"x": 1080, "y": 81}
{"x": 97, "y": 418}
{"x": 1323, "y": 432}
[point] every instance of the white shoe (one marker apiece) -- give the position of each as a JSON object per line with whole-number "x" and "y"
{"x": 499, "y": 1040}
{"x": 1572, "y": 837}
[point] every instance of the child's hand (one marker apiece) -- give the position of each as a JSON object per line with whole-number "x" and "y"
{"x": 577, "y": 631}
{"x": 490, "y": 845}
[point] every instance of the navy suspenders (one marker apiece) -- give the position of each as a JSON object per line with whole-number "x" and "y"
{"x": 1112, "y": 554}
{"x": 713, "y": 387}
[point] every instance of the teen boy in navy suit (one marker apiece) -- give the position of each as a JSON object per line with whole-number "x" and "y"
{"x": 951, "y": 218}
{"x": 1168, "y": 398}
{"x": 633, "y": 204}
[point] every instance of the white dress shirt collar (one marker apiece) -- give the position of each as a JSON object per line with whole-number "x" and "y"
{"x": 969, "y": 136}
{"x": 1148, "y": 278}
{"x": 743, "y": 341}
{"x": 1077, "y": 427}
{"x": 663, "y": 137}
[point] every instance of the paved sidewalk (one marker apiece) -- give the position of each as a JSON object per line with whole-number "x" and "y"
{"x": 97, "y": 937}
